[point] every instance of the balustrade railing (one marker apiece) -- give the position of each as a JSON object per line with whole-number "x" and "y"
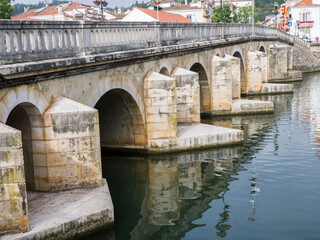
{"x": 301, "y": 43}
{"x": 23, "y": 41}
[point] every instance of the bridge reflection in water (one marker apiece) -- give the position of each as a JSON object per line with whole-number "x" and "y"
{"x": 166, "y": 196}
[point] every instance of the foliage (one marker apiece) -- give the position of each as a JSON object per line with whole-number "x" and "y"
{"x": 5, "y": 9}
{"x": 225, "y": 14}
{"x": 240, "y": 14}
{"x": 245, "y": 14}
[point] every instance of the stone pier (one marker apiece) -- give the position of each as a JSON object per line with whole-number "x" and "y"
{"x": 13, "y": 195}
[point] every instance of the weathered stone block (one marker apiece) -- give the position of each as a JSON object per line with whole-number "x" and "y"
{"x": 72, "y": 141}
{"x": 13, "y": 197}
{"x": 221, "y": 83}
{"x": 236, "y": 76}
{"x": 160, "y": 106}
{"x": 256, "y": 71}
{"x": 188, "y": 95}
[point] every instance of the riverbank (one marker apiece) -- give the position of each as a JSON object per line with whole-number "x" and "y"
{"x": 66, "y": 215}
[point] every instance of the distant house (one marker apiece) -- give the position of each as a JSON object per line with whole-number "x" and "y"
{"x": 68, "y": 12}
{"x": 196, "y": 11}
{"x": 147, "y": 15}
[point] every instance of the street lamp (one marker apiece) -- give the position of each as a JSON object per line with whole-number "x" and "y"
{"x": 220, "y": 10}
{"x": 102, "y": 4}
{"x": 276, "y": 5}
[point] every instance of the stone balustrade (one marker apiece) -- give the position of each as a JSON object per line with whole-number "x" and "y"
{"x": 24, "y": 41}
{"x": 301, "y": 43}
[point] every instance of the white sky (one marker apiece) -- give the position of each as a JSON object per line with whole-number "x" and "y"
{"x": 112, "y": 3}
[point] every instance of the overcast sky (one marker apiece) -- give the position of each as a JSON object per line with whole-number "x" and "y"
{"x": 112, "y": 3}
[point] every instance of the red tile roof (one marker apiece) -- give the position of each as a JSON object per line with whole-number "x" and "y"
{"x": 51, "y": 10}
{"x": 165, "y": 17}
{"x": 305, "y": 3}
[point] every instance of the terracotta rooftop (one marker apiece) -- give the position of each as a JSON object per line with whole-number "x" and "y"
{"x": 165, "y": 17}
{"x": 51, "y": 10}
{"x": 180, "y": 7}
{"x": 305, "y": 3}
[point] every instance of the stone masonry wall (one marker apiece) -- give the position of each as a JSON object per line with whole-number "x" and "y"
{"x": 160, "y": 106}
{"x": 277, "y": 62}
{"x": 188, "y": 95}
{"x": 236, "y": 76}
{"x": 73, "y": 145}
{"x": 13, "y": 197}
{"x": 221, "y": 84}
{"x": 256, "y": 71}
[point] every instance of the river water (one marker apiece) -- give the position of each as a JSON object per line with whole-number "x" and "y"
{"x": 267, "y": 189}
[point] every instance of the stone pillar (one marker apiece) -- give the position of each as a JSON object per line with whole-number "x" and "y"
{"x": 277, "y": 62}
{"x": 13, "y": 196}
{"x": 188, "y": 95}
{"x": 73, "y": 145}
{"x": 221, "y": 84}
{"x": 160, "y": 106}
{"x": 290, "y": 58}
{"x": 236, "y": 76}
{"x": 256, "y": 71}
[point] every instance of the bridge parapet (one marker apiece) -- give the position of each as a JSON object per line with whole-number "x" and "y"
{"x": 26, "y": 41}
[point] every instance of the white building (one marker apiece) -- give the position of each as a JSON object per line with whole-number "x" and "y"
{"x": 147, "y": 15}
{"x": 306, "y": 19}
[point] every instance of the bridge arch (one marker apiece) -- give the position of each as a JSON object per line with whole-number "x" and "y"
{"x": 27, "y": 118}
{"x": 121, "y": 121}
{"x": 164, "y": 71}
{"x": 243, "y": 78}
{"x": 120, "y": 99}
{"x": 22, "y": 94}
{"x": 205, "y": 103}
{"x": 262, "y": 48}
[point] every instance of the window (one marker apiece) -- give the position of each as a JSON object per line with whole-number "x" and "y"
{"x": 305, "y": 16}
{"x": 189, "y": 16}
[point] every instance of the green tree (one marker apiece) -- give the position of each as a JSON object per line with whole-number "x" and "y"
{"x": 5, "y": 9}
{"x": 245, "y": 14}
{"x": 226, "y": 14}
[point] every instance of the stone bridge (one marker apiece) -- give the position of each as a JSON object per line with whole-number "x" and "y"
{"x": 72, "y": 87}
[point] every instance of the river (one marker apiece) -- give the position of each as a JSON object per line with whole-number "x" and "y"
{"x": 269, "y": 188}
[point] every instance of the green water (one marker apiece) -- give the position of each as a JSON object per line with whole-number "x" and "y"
{"x": 267, "y": 189}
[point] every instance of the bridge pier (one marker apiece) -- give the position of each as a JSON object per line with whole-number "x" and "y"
{"x": 256, "y": 71}
{"x": 73, "y": 156}
{"x": 280, "y": 64}
{"x": 188, "y": 95}
{"x": 13, "y": 195}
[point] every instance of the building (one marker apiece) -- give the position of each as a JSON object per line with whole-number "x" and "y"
{"x": 196, "y": 11}
{"x": 306, "y": 19}
{"x": 147, "y": 15}
{"x": 68, "y": 12}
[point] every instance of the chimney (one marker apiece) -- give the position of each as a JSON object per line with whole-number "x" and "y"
{"x": 26, "y": 9}
{"x": 119, "y": 10}
{"x": 186, "y": 2}
{"x": 59, "y": 9}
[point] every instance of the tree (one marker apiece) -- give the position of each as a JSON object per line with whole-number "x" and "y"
{"x": 245, "y": 14}
{"x": 226, "y": 13}
{"x": 5, "y": 9}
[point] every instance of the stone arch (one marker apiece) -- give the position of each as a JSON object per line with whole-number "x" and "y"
{"x": 165, "y": 65}
{"x": 21, "y": 94}
{"x": 121, "y": 121}
{"x": 243, "y": 77}
{"x": 107, "y": 84}
{"x": 164, "y": 71}
{"x": 27, "y": 118}
{"x": 205, "y": 103}
{"x": 262, "y": 48}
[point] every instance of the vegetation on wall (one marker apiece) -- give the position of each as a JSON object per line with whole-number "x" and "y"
{"x": 240, "y": 14}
